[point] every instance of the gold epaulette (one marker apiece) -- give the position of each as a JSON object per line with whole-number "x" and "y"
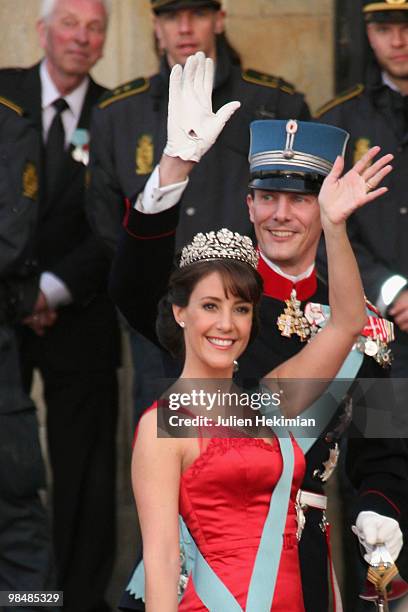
{"x": 124, "y": 91}
{"x": 267, "y": 80}
{"x": 354, "y": 91}
{"x": 14, "y": 107}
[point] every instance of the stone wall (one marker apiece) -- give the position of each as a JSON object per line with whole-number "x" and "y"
{"x": 289, "y": 38}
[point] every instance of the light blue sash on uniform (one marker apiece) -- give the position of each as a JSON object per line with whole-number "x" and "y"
{"x": 208, "y": 586}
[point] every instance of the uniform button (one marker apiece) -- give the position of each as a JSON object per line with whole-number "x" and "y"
{"x": 190, "y": 211}
{"x": 403, "y": 210}
{"x": 400, "y": 149}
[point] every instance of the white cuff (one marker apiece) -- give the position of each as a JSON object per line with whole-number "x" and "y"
{"x": 389, "y": 291}
{"x": 155, "y": 199}
{"x": 55, "y": 291}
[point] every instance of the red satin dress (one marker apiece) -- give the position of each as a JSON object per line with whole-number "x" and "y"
{"x": 224, "y": 501}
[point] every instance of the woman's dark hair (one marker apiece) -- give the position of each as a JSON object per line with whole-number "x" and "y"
{"x": 239, "y": 279}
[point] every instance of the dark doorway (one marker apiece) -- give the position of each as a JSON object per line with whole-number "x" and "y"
{"x": 350, "y": 43}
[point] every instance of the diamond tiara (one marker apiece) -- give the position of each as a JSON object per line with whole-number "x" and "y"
{"x": 222, "y": 244}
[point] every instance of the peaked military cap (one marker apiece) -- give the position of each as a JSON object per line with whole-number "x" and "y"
{"x": 293, "y": 155}
{"x": 161, "y": 6}
{"x": 392, "y": 11}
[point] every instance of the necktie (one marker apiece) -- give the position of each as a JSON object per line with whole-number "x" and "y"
{"x": 54, "y": 149}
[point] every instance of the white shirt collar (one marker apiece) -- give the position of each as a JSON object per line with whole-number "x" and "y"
{"x": 387, "y": 81}
{"x": 293, "y": 279}
{"x": 50, "y": 93}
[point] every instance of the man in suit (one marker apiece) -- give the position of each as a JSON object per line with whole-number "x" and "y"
{"x": 25, "y": 546}
{"x": 71, "y": 335}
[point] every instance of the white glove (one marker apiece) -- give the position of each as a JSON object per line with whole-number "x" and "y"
{"x": 192, "y": 127}
{"x": 373, "y": 529}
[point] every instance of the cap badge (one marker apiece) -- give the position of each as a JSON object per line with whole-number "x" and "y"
{"x": 291, "y": 129}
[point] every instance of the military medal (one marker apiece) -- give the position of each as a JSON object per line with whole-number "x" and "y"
{"x": 293, "y": 321}
{"x": 315, "y": 316}
{"x": 370, "y": 348}
{"x": 80, "y": 142}
{"x": 375, "y": 337}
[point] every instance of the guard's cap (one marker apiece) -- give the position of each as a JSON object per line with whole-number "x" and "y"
{"x": 161, "y": 6}
{"x": 293, "y": 155}
{"x": 392, "y": 11}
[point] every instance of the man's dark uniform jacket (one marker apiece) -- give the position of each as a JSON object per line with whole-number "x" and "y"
{"x": 24, "y": 539}
{"x": 77, "y": 357}
{"x": 374, "y": 114}
{"x": 129, "y": 134}
{"x": 377, "y": 468}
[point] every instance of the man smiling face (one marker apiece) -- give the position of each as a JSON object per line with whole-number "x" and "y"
{"x": 287, "y": 227}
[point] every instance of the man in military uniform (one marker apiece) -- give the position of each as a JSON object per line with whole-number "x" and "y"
{"x": 129, "y": 133}
{"x": 25, "y": 547}
{"x": 377, "y": 111}
{"x": 129, "y": 127}
{"x": 288, "y": 163}
{"x": 78, "y": 353}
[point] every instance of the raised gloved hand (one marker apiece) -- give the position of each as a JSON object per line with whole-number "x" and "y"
{"x": 192, "y": 127}
{"x": 373, "y": 529}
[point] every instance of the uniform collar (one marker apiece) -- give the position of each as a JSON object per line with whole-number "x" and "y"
{"x": 388, "y": 83}
{"x": 279, "y": 285}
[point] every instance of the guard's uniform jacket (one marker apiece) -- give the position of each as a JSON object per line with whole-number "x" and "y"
{"x": 25, "y": 547}
{"x": 374, "y": 114}
{"x": 77, "y": 358}
{"x": 129, "y": 134}
{"x": 377, "y": 468}
{"x": 19, "y": 186}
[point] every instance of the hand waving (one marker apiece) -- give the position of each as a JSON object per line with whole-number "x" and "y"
{"x": 341, "y": 195}
{"x": 192, "y": 127}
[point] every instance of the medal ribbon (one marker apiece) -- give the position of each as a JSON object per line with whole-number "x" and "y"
{"x": 379, "y": 328}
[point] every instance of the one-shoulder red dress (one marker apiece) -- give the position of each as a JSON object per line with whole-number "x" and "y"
{"x": 224, "y": 501}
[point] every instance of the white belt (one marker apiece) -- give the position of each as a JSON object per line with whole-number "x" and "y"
{"x": 313, "y": 500}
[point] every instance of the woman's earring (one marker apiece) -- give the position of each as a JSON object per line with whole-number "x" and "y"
{"x": 236, "y": 366}
{"x": 182, "y": 324}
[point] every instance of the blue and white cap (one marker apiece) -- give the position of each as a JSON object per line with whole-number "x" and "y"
{"x": 293, "y": 155}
